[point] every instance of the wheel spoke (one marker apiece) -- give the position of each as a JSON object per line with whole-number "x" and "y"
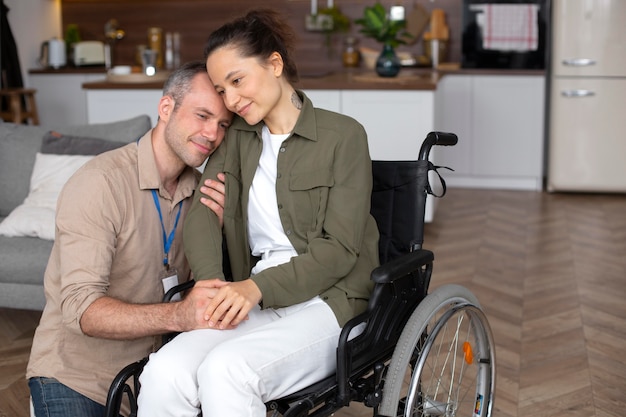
{"x": 451, "y": 371}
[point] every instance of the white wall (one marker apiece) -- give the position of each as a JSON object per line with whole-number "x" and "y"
{"x": 32, "y": 22}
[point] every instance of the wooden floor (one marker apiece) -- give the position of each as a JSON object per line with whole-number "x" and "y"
{"x": 550, "y": 272}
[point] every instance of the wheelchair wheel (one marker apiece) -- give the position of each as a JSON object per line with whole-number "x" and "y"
{"x": 444, "y": 362}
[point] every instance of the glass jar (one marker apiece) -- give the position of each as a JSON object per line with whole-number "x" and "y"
{"x": 350, "y": 56}
{"x": 155, "y": 42}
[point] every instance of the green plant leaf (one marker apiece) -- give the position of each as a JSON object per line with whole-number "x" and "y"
{"x": 376, "y": 24}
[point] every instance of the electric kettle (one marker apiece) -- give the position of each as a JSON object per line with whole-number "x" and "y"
{"x": 52, "y": 53}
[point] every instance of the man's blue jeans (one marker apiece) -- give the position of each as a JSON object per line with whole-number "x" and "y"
{"x": 53, "y": 399}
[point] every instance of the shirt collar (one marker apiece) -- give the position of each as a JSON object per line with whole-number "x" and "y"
{"x": 149, "y": 178}
{"x": 306, "y": 125}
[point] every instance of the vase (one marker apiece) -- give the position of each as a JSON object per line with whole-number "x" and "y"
{"x": 388, "y": 64}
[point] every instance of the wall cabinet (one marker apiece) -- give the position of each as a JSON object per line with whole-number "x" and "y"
{"x": 500, "y": 123}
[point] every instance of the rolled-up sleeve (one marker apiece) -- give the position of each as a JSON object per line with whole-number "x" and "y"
{"x": 86, "y": 224}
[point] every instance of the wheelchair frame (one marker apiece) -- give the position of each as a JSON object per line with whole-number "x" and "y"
{"x": 420, "y": 354}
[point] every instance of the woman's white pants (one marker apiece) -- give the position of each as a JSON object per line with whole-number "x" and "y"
{"x": 230, "y": 373}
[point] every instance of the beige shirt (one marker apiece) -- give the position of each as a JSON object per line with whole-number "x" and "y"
{"x": 109, "y": 241}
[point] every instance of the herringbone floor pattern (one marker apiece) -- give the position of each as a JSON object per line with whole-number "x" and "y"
{"x": 550, "y": 272}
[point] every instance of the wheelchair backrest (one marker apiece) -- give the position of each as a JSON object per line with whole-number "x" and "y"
{"x": 398, "y": 206}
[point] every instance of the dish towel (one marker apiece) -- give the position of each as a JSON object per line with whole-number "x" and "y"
{"x": 509, "y": 27}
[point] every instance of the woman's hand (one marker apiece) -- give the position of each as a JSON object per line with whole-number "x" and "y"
{"x": 214, "y": 195}
{"x": 232, "y": 303}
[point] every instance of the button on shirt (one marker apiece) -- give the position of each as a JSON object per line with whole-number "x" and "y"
{"x": 108, "y": 242}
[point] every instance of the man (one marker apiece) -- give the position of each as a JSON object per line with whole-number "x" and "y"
{"x": 118, "y": 247}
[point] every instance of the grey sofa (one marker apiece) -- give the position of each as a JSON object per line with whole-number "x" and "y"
{"x": 23, "y": 259}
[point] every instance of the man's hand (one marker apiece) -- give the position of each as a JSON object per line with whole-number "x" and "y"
{"x": 232, "y": 303}
{"x": 214, "y": 195}
{"x": 111, "y": 318}
{"x": 191, "y": 309}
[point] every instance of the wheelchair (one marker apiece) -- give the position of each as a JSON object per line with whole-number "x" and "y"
{"x": 420, "y": 353}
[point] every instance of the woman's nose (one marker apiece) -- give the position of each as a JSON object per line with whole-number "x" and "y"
{"x": 231, "y": 100}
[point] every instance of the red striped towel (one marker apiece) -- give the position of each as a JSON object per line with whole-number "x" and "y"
{"x": 509, "y": 27}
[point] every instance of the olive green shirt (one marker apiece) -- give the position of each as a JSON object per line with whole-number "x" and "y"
{"x": 323, "y": 189}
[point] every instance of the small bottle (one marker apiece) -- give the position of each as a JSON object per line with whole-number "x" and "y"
{"x": 351, "y": 56}
{"x": 169, "y": 51}
{"x": 155, "y": 43}
{"x": 176, "y": 41}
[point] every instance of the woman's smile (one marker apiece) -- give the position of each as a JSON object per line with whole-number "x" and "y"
{"x": 242, "y": 111}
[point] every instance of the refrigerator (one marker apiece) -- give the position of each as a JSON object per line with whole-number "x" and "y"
{"x": 587, "y": 97}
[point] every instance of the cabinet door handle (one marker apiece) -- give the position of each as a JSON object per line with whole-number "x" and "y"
{"x": 577, "y": 93}
{"x": 578, "y": 62}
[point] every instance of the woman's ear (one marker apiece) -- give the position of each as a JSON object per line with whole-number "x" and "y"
{"x": 277, "y": 64}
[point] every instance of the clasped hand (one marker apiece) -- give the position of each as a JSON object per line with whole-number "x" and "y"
{"x": 232, "y": 302}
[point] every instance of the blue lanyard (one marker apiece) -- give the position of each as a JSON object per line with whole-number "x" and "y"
{"x": 167, "y": 240}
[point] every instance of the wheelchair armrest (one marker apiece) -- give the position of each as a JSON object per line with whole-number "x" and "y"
{"x": 401, "y": 266}
{"x": 178, "y": 288}
{"x": 119, "y": 386}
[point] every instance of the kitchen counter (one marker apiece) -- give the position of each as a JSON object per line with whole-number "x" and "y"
{"x": 349, "y": 79}
{"x": 344, "y": 80}
{"x": 98, "y": 69}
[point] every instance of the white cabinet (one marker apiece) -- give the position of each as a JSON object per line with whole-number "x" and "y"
{"x": 106, "y": 105}
{"x": 326, "y": 99}
{"x": 396, "y": 121}
{"x": 588, "y": 86}
{"x": 589, "y": 38}
{"x": 500, "y": 123}
{"x": 60, "y": 98}
{"x": 587, "y": 146}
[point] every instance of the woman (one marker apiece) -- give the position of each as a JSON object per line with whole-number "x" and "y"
{"x": 299, "y": 234}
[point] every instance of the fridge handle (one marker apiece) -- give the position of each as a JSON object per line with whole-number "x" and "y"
{"x": 578, "y": 62}
{"x": 577, "y": 93}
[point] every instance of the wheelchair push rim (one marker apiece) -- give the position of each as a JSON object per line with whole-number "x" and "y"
{"x": 445, "y": 366}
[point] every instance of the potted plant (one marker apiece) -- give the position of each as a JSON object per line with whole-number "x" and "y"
{"x": 340, "y": 24}
{"x": 377, "y": 24}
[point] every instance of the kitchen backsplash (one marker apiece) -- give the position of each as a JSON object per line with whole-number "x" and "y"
{"x": 195, "y": 19}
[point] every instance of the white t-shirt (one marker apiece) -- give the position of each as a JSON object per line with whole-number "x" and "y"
{"x": 265, "y": 231}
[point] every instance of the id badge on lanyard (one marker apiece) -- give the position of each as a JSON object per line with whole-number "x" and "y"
{"x": 168, "y": 275}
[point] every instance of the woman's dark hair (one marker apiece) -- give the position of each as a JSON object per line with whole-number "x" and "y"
{"x": 258, "y": 34}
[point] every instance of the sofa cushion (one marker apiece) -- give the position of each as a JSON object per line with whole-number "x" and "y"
{"x": 18, "y": 146}
{"x": 20, "y": 143}
{"x": 24, "y": 259}
{"x": 35, "y": 216}
{"x": 60, "y": 144}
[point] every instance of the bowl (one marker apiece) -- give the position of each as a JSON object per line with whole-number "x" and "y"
{"x": 121, "y": 70}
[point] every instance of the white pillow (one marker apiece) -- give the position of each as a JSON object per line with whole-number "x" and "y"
{"x": 35, "y": 216}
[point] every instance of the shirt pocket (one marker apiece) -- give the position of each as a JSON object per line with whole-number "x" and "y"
{"x": 309, "y": 196}
{"x": 233, "y": 188}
